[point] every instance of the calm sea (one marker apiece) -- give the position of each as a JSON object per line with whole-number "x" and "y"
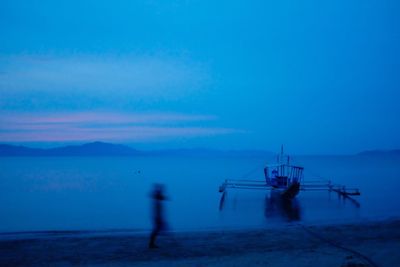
{"x": 100, "y": 193}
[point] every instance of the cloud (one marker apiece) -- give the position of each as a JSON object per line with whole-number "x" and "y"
{"x": 140, "y": 76}
{"x": 120, "y": 127}
{"x": 99, "y": 118}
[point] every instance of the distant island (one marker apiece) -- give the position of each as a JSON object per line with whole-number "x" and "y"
{"x": 392, "y": 152}
{"x": 102, "y": 149}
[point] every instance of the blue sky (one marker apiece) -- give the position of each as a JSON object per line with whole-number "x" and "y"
{"x": 317, "y": 76}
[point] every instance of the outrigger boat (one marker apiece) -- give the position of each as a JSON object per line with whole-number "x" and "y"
{"x": 288, "y": 180}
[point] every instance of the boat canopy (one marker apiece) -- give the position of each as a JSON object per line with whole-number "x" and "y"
{"x": 283, "y": 175}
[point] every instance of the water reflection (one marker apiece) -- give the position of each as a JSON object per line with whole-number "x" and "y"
{"x": 280, "y": 207}
{"x": 273, "y": 206}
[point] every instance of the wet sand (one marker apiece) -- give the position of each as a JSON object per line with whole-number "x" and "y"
{"x": 347, "y": 245}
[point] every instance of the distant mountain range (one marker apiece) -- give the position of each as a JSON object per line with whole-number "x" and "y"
{"x": 99, "y": 149}
{"x": 90, "y": 149}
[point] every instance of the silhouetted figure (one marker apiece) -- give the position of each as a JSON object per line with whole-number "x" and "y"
{"x": 159, "y": 224}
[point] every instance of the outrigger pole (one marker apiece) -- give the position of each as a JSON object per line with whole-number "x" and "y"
{"x": 342, "y": 191}
{"x": 304, "y": 186}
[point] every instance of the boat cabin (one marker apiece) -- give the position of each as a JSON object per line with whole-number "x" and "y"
{"x": 282, "y": 175}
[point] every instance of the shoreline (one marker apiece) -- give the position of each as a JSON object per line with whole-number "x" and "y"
{"x": 24, "y": 234}
{"x": 290, "y": 245}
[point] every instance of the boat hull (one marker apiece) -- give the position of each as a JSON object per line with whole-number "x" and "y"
{"x": 291, "y": 192}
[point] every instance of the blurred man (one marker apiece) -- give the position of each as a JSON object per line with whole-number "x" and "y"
{"x": 159, "y": 224}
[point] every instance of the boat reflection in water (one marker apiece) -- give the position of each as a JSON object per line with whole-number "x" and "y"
{"x": 279, "y": 207}
{"x": 271, "y": 207}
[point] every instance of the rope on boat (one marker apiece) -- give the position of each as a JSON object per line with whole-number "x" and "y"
{"x": 335, "y": 244}
{"x": 257, "y": 168}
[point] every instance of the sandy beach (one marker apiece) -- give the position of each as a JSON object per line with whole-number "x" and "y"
{"x": 366, "y": 244}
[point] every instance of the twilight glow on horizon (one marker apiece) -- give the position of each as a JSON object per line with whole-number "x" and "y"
{"x": 319, "y": 77}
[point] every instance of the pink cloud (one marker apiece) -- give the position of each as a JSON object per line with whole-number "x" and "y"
{"x": 100, "y": 117}
{"x": 90, "y": 126}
